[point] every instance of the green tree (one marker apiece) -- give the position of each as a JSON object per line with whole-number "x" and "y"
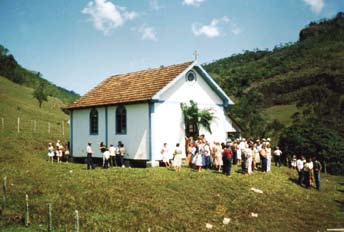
{"x": 40, "y": 94}
{"x": 194, "y": 118}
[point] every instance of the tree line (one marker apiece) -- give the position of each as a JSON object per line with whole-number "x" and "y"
{"x": 308, "y": 73}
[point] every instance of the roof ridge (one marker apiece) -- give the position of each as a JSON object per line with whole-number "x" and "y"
{"x": 130, "y": 87}
{"x": 149, "y": 69}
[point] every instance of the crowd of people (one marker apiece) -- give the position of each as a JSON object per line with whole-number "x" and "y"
{"x": 58, "y": 151}
{"x": 200, "y": 154}
{"x": 308, "y": 171}
{"x": 112, "y": 155}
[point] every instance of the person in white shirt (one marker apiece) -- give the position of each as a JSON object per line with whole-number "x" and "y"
{"x": 112, "y": 151}
{"x": 277, "y": 156}
{"x": 89, "y": 153}
{"x": 107, "y": 158}
{"x": 299, "y": 168}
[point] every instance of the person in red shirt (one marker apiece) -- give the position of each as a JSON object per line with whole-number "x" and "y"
{"x": 227, "y": 157}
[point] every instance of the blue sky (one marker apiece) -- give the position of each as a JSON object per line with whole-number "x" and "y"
{"x": 77, "y": 44}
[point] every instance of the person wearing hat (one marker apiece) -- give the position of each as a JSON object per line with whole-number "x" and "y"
{"x": 89, "y": 153}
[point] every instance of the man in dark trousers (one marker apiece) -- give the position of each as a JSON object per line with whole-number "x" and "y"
{"x": 316, "y": 169}
{"x": 228, "y": 155}
{"x": 89, "y": 153}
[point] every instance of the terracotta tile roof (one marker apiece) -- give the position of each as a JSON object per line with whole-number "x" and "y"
{"x": 130, "y": 87}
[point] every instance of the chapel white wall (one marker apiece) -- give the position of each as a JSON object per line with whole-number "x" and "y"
{"x": 81, "y": 132}
{"x": 167, "y": 119}
{"x": 136, "y": 140}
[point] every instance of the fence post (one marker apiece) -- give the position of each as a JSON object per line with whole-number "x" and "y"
{"x": 4, "y": 197}
{"x": 50, "y": 218}
{"x": 49, "y": 127}
{"x": 2, "y": 123}
{"x": 18, "y": 125}
{"x": 34, "y": 125}
{"x": 27, "y": 215}
{"x": 63, "y": 128}
{"x": 76, "y": 221}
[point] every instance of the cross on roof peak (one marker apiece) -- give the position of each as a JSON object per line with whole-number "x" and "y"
{"x": 196, "y": 54}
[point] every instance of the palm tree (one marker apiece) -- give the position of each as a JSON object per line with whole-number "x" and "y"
{"x": 194, "y": 119}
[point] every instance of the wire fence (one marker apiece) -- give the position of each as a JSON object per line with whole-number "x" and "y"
{"x": 21, "y": 125}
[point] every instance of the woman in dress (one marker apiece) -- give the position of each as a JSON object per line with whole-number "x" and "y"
{"x": 59, "y": 153}
{"x": 255, "y": 158}
{"x": 50, "y": 153}
{"x": 218, "y": 156}
{"x": 308, "y": 172}
{"x": 165, "y": 155}
{"x": 177, "y": 161}
{"x": 268, "y": 157}
{"x": 249, "y": 156}
{"x": 198, "y": 161}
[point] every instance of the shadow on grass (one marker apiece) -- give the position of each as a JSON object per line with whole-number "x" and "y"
{"x": 294, "y": 180}
{"x": 341, "y": 204}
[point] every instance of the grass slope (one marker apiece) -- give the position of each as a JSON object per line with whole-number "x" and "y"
{"x": 138, "y": 199}
{"x": 163, "y": 200}
{"x": 281, "y": 113}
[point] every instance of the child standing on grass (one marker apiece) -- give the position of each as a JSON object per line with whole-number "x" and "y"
{"x": 50, "y": 153}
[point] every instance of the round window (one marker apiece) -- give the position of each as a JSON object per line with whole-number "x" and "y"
{"x": 190, "y": 76}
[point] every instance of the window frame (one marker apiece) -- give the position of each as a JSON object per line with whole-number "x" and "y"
{"x": 92, "y": 114}
{"x": 122, "y": 120}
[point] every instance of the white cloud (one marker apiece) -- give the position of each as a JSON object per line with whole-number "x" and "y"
{"x": 148, "y": 33}
{"x": 192, "y": 2}
{"x": 106, "y": 16}
{"x": 316, "y": 5}
{"x": 155, "y": 5}
{"x": 209, "y": 31}
{"x": 216, "y": 28}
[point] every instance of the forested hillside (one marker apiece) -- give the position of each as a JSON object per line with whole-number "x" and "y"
{"x": 10, "y": 69}
{"x": 305, "y": 78}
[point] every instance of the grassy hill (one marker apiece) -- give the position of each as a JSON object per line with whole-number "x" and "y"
{"x": 131, "y": 199}
{"x": 10, "y": 69}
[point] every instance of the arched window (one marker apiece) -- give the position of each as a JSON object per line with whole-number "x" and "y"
{"x": 121, "y": 120}
{"x": 94, "y": 122}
